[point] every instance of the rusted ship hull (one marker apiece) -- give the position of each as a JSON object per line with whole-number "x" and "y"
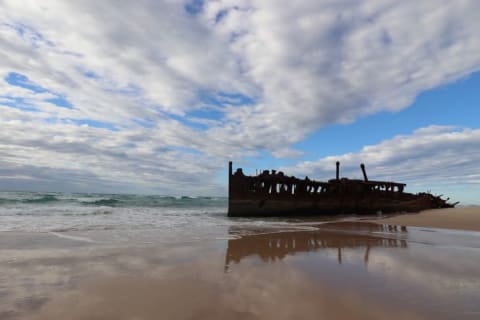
{"x": 271, "y": 207}
{"x": 274, "y": 194}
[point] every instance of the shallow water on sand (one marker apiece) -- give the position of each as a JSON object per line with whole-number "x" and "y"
{"x": 336, "y": 270}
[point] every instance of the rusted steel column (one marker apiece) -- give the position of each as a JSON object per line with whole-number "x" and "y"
{"x": 338, "y": 170}
{"x": 230, "y": 169}
{"x": 362, "y": 166}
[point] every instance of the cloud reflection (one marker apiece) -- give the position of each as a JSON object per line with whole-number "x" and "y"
{"x": 276, "y": 246}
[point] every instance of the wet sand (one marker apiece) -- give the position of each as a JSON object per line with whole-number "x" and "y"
{"x": 462, "y": 218}
{"x": 336, "y": 270}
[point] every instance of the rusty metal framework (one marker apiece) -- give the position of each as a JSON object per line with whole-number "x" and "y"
{"x": 274, "y": 193}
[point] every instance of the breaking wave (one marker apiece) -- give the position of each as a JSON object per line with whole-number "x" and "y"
{"x": 35, "y": 199}
{"x": 113, "y": 200}
{"x": 43, "y": 199}
{"x": 101, "y": 202}
{"x": 72, "y": 212}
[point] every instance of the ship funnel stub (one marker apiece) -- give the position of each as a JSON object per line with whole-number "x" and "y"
{"x": 338, "y": 170}
{"x": 362, "y": 166}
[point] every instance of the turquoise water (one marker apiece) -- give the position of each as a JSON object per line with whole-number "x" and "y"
{"x": 43, "y": 212}
{"x": 108, "y": 200}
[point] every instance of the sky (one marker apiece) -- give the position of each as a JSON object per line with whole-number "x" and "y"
{"x": 156, "y": 96}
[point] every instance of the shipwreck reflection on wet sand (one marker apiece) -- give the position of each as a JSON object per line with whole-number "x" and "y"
{"x": 431, "y": 272}
{"x": 334, "y": 270}
{"x": 274, "y": 246}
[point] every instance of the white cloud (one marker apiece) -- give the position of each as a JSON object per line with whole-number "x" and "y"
{"x": 435, "y": 157}
{"x": 270, "y": 72}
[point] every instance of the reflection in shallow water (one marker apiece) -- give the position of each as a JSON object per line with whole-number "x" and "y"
{"x": 429, "y": 271}
{"x": 337, "y": 235}
{"x": 336, "y": 270}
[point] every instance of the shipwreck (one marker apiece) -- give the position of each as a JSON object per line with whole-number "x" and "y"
{"x": 273, "y": 193}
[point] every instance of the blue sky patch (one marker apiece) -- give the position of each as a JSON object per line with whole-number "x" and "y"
{"x": 386, "y": 39}
{"x": 87, "y": 73}
{"x": 222, "y": 99}
{"x": 29, "y": 33}
{"x": 210, "y": 114}
{"x": 220, "y": 15}
{"x": 91, "y": 75}
{"x": 17, "y": 103}
{"x": 212, "y": 105}
{"x": 194, "y": 7}
{"x": 454, "y": 104}
{"x": 20, "y": 80}
{"x": 60, "y": 102}
{"x": 187, "y": 122}
{"x": 149, "y": 124}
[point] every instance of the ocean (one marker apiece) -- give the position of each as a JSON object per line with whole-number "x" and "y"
{"x": 62, "y": 212}
{"x": 117, "y": 256}
{"x": 128, "y": 217}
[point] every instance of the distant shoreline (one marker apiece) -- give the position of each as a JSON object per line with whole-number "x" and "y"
{"x": 462, "y": 218}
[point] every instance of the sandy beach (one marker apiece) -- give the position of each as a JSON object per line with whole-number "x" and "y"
{"x": 335, "y": 270}
{"x": 239, "y": 160}
{"x": 461, "y": 218}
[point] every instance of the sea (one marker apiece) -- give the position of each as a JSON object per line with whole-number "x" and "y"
{"x": 146, "y": 218}
{"x": 58, "y": 212}
{"x": 119, "y": 256}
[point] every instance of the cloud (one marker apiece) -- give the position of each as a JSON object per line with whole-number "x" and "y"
{"x": 330, "y": 62}
{"x": 433, "y": 157}
{"x": 84, "y": 157}
{"x": 169, "y": 90}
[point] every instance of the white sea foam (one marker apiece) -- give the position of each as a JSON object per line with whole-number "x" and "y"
{"x": 41, "y": 212}
{"x": 129, "y": 218}
{"x": 70, "y": 237}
